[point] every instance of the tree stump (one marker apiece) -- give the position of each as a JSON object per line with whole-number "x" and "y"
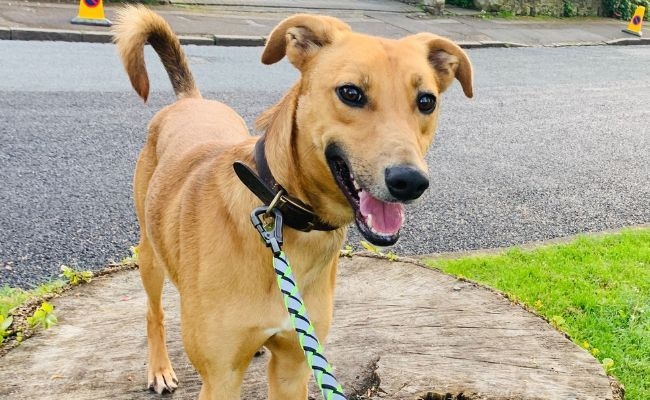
{"x": 401, "y": 331}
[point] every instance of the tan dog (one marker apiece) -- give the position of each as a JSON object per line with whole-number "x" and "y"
{"x": 348, "y": 140}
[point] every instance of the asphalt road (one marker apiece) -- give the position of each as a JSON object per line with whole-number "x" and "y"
{"x": 555, "y": 142}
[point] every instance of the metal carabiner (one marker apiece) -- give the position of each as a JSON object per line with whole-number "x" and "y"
{"x": 273, "y": 237}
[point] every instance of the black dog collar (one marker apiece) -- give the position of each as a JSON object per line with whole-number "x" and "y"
{"x": 296, "y": 214}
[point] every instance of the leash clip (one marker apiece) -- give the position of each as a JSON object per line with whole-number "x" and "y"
{"x": 273, "y": 237}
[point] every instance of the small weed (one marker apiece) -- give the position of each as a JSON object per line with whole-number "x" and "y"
{"x": 133, "y": 258}
{"x": 10, "y": 298}
{"x": 484, "y": 15}
{"x": 347, "y": 251}
{"x": 587, "y": 346}
{"x": 391, "y": 256}
{"x": 370, "y": 247}
{"x": 22, "y": 309}
{"x": 43, "y": 316}
{"x": 377, "y": 251}
{"x": 505, "y": 14}
{"x": 568, "y": 9}
{"x": 608, "y": 365}
{"x": 47, "y": 289}
{"x": 75, "y": 277}
{"x": 5, "y": 323}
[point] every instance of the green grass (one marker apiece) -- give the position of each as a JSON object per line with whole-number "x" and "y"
{"x": 11, "y": 298}
{"x": 596, "y": 289}
{"x": 18, "y": 306}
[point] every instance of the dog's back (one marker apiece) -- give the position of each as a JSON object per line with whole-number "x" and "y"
{"x": 190, "y": 124}
{"x": 182, "y": 136}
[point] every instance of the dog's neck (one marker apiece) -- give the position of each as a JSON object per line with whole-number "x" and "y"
{"x": 262, "y": 165}
{"x": 297, "y": 214}
{"x": 277, "y": 164}
{"x": 278, "y": 125}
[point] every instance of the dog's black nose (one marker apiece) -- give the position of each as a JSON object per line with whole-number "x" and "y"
{"x": 406, "y": 182}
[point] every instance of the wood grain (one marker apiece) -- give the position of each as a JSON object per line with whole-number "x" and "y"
{"x": 417, "y": 333}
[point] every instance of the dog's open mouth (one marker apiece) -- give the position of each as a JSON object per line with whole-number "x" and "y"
{"x": 378, "y": 221}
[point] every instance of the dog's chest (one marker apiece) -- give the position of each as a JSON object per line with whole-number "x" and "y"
{"x": 282, "y": 327}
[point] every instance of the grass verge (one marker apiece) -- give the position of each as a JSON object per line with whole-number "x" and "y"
{"x": 11, "y": 298}
{"x": 18, "y": 306}
{"x": 596, "y": 289}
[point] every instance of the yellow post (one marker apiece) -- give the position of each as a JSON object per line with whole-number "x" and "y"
{"x": 91, "y": 12}
{"x": 634, "y": 27}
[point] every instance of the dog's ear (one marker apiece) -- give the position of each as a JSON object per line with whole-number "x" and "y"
{"x": 299, "y": 37}
{"x": 449, "y": 61}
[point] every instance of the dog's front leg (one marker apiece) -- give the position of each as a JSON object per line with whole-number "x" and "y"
{"x": 218, "y": 346}
{"x": 288, "y": 371}
{"x": 222, "y": 371}
{"x": 221, "y": 385}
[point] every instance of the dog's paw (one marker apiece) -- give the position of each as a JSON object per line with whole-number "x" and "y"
{"x": 163, "y": 381}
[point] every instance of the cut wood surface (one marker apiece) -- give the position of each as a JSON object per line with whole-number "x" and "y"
{"x": 401, "y": 331}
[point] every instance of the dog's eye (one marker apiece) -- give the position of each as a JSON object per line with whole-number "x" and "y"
{"x": 426, "y": 103}
{"x": 351, "y": 95}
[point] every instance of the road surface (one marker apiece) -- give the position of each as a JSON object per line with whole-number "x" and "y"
{"x": 555, "y": 142}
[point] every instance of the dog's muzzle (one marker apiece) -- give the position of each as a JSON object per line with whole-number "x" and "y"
{"x": 379, "y": 221}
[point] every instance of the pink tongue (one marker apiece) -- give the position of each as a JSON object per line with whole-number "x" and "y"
{"x": 387, "y": 218}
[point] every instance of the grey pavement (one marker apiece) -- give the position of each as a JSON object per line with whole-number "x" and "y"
{"x": 247, "y": 22}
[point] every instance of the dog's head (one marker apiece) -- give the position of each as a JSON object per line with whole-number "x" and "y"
{"x": 366, "y": 109}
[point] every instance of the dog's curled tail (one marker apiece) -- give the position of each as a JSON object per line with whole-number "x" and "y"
{"x": 137, "y": 25}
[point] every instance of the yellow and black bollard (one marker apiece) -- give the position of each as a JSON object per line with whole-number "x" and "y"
{"x": 634, "y": 27}
{"x": 91, "y": 12}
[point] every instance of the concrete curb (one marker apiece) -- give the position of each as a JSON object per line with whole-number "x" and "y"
{"x": 65, "y": 35}
{"x": 234, "y": 40}
{"x": 490, "y": 44}
{"x": 628, "y": 41}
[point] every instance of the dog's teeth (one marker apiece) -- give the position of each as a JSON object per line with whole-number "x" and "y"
{"x": 369, "y": 221}
{"x": 354, "y": 183}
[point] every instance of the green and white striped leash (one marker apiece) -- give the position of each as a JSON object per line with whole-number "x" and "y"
{"x": 309, "y": 343}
